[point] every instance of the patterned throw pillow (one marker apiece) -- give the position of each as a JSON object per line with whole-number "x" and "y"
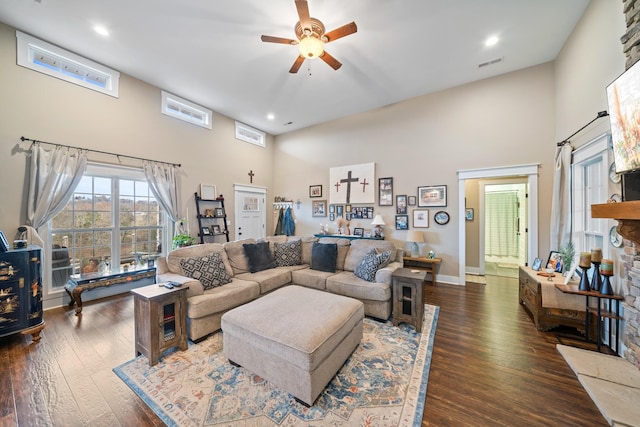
{"x": 209, "y": 270}
{"x": 370, "y": 264}
{"x": 289, "y": 253}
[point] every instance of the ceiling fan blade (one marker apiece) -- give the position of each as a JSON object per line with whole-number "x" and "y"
{"x": 333, "y": 62}
{"x": 271, "y": 39}
{"x": 345, "y": 30}
{"x": 303, "y": 13}
{"x": 296, "y": 65}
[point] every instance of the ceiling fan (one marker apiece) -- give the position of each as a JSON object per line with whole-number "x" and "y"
{"x": 312, "y": 38}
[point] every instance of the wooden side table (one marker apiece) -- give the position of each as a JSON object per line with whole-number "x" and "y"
{"x": 427, "y": 264}
{"x": 160, "y": 320}
{"x": 408, "y": 299}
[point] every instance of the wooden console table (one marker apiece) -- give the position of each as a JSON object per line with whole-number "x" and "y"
{"x": 78, "y": 283}
{"x": 599, "y": 313}
{"x": 423, "y": 263}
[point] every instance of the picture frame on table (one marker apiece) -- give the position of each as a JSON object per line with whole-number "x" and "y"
{"x": 385, "y": 191}
{"x": 411, "y": 201}
{"x": 205, "y": 231}
{"x": 367, "y": 234}
{"x": 319, "y": 208}
{"x": 537, "y": 263}
{"x": 358, "y": 232}
{"x": 432, "y": 196}
{"x": 554, "y": 261}
{"x": 332, "y": 217}
{"x": 215, "y": 229}
{"x": 208, "y": 192}
{"x": 401, "y": 204}
{"x": 332, "y": 209}
{"x": 421, "y": 218}
{"x": 315, "y": 191}
{"x": 402, "y": 222}
{"x": 218, "y": 213}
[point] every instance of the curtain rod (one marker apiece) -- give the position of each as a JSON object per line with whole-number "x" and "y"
{"x": 566, "y": 140}
{"x": 22, "y": 138}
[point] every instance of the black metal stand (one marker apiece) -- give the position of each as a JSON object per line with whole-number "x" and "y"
{"x": 584, "y": 280}
{"x": 596, "y": 280}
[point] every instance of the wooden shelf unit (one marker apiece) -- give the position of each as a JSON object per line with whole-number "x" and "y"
{"x": 207, "y": 222}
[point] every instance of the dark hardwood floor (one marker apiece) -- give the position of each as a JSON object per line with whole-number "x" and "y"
{"x": 490, "y": 367}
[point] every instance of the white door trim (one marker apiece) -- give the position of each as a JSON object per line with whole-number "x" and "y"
{"x": 530, "y": 171}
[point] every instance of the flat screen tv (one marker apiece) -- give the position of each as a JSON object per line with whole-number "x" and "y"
{"x": 623, "y": 96}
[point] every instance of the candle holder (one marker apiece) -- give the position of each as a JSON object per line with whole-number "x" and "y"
{"x": 596, "y": 280}
{"x": 584, "y": 279}
{"x": 606, "y": 288}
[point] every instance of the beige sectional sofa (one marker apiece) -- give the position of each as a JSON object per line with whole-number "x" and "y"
{"x": 206, "y": 307}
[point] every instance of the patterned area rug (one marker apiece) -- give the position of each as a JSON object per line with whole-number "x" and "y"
{"x": 383, "y": 383}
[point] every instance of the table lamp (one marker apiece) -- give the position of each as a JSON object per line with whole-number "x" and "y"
{"x": 415, "y": 237}
{"x": 379, "y": 223}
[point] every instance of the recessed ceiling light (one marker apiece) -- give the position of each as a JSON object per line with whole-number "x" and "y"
{"x": 491, "y": 41}
{"x": 271, "y": 116}
{"x": 101, "y": 30}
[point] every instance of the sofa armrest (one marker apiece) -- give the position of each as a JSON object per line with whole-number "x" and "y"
{"x": 195, "y": 287}
{"x": 383, "y": 275}
{"x": 161, "y": 266}
{"x": 399, "y": 257}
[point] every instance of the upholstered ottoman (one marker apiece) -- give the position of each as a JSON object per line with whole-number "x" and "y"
{"x": 296, "y": 338}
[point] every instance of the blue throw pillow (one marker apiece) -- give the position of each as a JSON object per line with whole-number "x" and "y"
{"x": 259, "y": 256}
{"x": 370, "y": 264}
{"x": 324, "y": 256}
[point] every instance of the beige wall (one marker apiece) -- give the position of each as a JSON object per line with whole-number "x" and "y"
{"x": 472, "y": 228}
{"x": 507, "y": 120}
{"x": 44, "y": 108}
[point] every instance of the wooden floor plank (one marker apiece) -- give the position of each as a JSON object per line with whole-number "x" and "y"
{"x": 490, "y": 367}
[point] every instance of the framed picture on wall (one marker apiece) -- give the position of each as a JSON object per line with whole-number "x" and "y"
{"x": 319, "y": 208}
{"x": 468, "y": 214}
{"x": 421, "y": 218}
{"x": 315, "y": 191}
{"x": 432, "y": 196}
{"x": 401, "y": 204}
{"x": 412, "y": 201}
{"x": 385, "y": 191}
{"x": 402, "y": 222}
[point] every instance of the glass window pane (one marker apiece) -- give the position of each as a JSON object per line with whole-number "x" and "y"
{"x": 85, "y": 185}
{"x": 63, "y": 220}
{"x": 83, "y": 219}
{"x": 83, "y": 239}
{"x": 126, "y": 187}
{"x": 142, "y": 188}
{"x": 126, "y": 219}
{"x": 102, "y": 185}
{"x": 141, "y": 219}
{"x": 102, "y": 219}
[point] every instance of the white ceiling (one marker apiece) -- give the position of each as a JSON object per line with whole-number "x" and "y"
{"x": 209, "y": 51}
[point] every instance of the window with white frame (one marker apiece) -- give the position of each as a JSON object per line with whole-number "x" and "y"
{"x": 54, "y": 61}
{"x": 185, "y": 110}
{"x": 112, "y": 217}
{"x": 590, "y": 173}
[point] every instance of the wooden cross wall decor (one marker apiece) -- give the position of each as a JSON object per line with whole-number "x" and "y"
{"x": 251, "y": 175}
{"x": 348, "y": 180}
{"x": 343, "y": 179}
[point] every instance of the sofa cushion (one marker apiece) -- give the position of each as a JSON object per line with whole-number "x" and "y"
{"x": 347, "y": 284}
{"x": 269, "y": 279}
{"x": 259, "y": 255}
{"x": 174, "y": 257}
{"x": 307, "y": 245}
{"x": 323, "y": 257}
{"x": 209, "y": 270}
{"x": 310, "y": 278}
{"x": 343, "y": 249}
{"x": 237, "y": 258}
{"x": 361, "y": 247}
{"x": 287, "y": 254}
{"x": 370, "y": 264}
{"x": 222, "y": 298}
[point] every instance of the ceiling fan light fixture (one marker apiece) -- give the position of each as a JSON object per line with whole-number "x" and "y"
{"x": 310, "y": 47}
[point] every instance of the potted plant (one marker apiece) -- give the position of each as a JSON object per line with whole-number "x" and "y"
{"x": 182, "y": 237}
{"x": 567, "y": 254}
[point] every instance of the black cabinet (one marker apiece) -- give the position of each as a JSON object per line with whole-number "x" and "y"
{"x": 21, "y": 292}
{"x": 212, "y": 219}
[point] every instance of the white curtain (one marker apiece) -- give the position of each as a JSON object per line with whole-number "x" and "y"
{"x": 560, "y": 229}
{"x": 501, "y": 224}
{"x": 53, "y": 177}
{"x": 162, "y": 181}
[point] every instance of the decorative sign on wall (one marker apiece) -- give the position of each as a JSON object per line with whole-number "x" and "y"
{"x": 352, "y": 184}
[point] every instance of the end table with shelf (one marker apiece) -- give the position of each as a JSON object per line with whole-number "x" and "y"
{"x": 160, "y": 320}
{"x": 408, "y": 297}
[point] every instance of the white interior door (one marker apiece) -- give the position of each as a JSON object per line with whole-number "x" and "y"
{"x": 250, "y": 213}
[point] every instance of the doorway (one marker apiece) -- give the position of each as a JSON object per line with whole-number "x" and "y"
{"x": 250, "y": 212}
{"x": 504, "y": 233}
{"x": 526, "y": 172}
